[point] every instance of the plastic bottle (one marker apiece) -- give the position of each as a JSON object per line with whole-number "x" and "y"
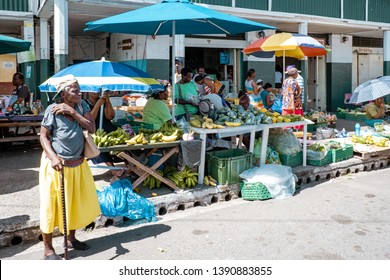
{"x": 357, "y": 129}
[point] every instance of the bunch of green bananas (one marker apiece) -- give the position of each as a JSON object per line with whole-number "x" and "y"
{"x": 104, "y": 139}
{"x": 183, "y": 179}
{"x": 168, "y": 129}
{"x": 189, "y": 177}
{"x": 153, "y": 182}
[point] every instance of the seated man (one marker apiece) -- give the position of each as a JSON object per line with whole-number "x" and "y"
{"x": 376, "y": 109}
{"x": 21, "y": 91}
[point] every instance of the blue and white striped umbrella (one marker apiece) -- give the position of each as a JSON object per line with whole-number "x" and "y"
{"x": 101, "y": 75}
{"x": 371, "y": 90}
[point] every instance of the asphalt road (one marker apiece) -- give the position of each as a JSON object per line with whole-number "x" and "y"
{"x": 347, "y": 218}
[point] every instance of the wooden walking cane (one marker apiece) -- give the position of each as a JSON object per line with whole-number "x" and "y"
{"x": 64, "y": 213}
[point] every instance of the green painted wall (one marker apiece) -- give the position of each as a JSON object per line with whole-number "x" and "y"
{"x": 329, "y": 8}
{"x": 253, "y": 4}
{"x": 339, "y": 82}
{"x": 14, "y": 5}
{"x": 156, "y": 68}
{"x": 159, "y": 68}
{"x": 386, "y": 72}
{"x": 214, "y": 2}
{"x": 355, "y": 9}
{"x": 379, "y": 10}
{"x": 264, "y": 70}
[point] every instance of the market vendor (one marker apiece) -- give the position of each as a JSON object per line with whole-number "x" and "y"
{"x": 376, "y": 109}
{"x": 95, "y": 103}
{"x": 267, "y": 96}
{"x": 21, "y": 90}
{"x": 245, "y": 102}
{"x": 156, "y": 111}
{"x": 186, "y": 95}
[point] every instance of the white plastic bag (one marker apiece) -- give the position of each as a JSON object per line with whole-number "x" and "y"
{"x": 278, "y": 179}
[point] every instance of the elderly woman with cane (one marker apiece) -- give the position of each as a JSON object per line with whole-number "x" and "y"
{"x": 63, "y": 145}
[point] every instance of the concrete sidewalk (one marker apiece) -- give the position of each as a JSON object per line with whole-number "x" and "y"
{"x": 19, "y": 194}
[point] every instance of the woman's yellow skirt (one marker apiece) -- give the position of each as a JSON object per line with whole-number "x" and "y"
{"x": 82, "y": 205}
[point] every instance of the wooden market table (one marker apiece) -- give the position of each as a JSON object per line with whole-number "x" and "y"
{"x": 33, "y": 121}
{"x": 266, "y": 127}
{"x": 140, "y": 169}
{"x": 223, "y": 132}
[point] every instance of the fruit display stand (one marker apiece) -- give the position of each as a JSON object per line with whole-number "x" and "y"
{"x": 226, "y": 132}
{"x": 266, "y": 127}
{"x": 140, "y": 169}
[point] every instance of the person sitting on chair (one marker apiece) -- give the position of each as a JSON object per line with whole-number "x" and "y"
{"x": 376, "y": 109}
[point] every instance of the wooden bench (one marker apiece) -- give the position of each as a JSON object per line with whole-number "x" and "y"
{"x": 10, "y": 124}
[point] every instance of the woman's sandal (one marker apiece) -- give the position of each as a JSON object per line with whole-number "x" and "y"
{"x": 52, "y": 257}
{"x": 78, "y": 245}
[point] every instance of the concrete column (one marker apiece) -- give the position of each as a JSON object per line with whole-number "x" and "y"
{"x": 45, "y": 49}
{"x": 339, "y": 70}
{"x": 386, "y": 53}
{"x": 180, "y": 50}
{"x": 386, "y": 57}
{"x": 303, "y": 27}
{"x": 60, "y": 34}
{"x": 27, "y": 59}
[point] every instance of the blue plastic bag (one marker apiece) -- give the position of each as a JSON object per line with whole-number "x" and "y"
{"x": 118, "y": 199}
{"x": 277, "y": 106}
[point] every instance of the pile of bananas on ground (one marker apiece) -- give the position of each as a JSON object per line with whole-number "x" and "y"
{"x": 153, "y": 182}
{"x": 104, "y": 139}
{"x": 210, "y": 181}
{"x": 237, "y": 116}
{"x": 371, "y": 140}
{"x": 205, "y": 122}
{"x": 167, "y": 133}
{"x": 185, "y": 178}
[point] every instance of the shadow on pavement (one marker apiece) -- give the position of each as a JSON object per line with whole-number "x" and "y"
{"x": 116, "y": 240}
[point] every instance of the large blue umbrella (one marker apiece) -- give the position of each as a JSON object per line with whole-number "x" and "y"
{"x": 13, "y": 45}
{"x": 101, "y": 75}
{"x": 171, "y": 17}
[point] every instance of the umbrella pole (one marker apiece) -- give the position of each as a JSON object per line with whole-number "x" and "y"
{"x": 173, "y": 87}
{"x": 317, "y": 104}
{"x": 101, "y": 112}
{"x": 284, "y": 64}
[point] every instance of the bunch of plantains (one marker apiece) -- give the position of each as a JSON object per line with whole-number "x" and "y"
{"x": 104, "y": 139}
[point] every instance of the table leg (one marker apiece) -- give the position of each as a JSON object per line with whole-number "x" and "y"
{"x": 252, "y": 141}
{"x": 264, "y": 144}
{"x": 148, "y": 170}
{"x": 202, "y": 137}
{"x": 304, "y": 143}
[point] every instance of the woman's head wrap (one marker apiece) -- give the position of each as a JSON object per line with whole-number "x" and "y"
{"x": 66, "y": 80}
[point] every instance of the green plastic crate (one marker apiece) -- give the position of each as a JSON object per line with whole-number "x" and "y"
{"x": 342, "y": 154}
{"x": 254, "y": 191}
{"x": 359, "y": 117}
{"x": 227, "y": 165}
{"x": 340, "y": 115}
{"x": 326, "y": 160}
{"x": 292, "y": 160}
